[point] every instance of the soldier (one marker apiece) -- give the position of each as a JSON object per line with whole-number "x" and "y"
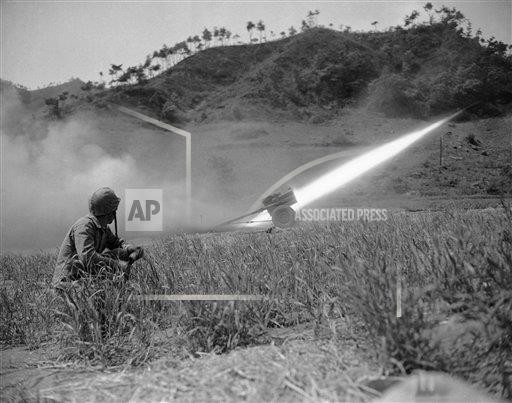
{"x": 90, "y": 247}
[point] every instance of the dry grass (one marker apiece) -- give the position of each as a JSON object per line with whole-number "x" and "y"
{"x": 453, "y": 266}
{"x": 297, "y": 366}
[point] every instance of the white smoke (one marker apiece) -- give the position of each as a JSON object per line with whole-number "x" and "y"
{"x": 50, "y": 170}
{"x": 46, "y": 183}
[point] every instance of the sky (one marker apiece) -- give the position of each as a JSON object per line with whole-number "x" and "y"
{"x": 52, "y": 41}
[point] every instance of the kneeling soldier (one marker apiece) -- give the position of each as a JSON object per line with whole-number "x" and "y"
{"x": 90, "y": 247}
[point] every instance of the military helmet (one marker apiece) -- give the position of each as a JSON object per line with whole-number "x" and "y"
{"x": 103, "y": 201}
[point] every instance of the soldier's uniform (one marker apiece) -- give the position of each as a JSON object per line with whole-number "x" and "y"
{"x": 88, "y": 248}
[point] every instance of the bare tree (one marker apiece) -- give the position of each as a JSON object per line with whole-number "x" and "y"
{"x": 181, "y": 49}
{"x": 428, "y": 8}
{"x": 190, "y": 41}
{"x": 310, "y": 18}
{"x": 409, "y": 19}
{"x": 114, "y": 70}
{"x": 215, "y": 34}
{"x": 450, "y": 15}
{"x": 222, "y": 35}
{"x": 197, "y": 41}
{"x": 207, "y": 37}
{"x": 261, "y": 28}
{"x": 170, "y": 56}
{"x": 250, "y": 27}
{"x": 163, "y": 53}
{"x": 147, "y": 63}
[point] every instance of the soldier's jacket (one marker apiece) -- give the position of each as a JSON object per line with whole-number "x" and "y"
{"x": 85, "y": 246}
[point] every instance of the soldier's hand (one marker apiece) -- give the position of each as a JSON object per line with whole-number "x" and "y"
{"x": 136, "y": 254}
{"x": 130, "y": 249}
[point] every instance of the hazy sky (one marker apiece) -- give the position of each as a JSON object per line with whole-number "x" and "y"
{"x": 52, "y": 41}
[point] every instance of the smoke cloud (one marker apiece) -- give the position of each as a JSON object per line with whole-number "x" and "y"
{"x": 50, "y": 169}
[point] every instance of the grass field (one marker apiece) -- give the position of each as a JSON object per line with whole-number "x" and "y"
{"x": 454, "y": 268}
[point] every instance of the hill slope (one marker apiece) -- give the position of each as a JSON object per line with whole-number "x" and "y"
{"x": 425, "y": 70}
{"x": 71, "y": 87}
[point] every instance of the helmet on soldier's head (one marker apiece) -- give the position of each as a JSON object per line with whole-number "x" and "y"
{"x": 103, "y": 201}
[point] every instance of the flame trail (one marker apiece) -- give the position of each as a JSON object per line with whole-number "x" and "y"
{"x": 345, "y": 173}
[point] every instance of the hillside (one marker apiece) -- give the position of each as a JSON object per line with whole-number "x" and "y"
{"x": 420, "y": 71}
{"x": 71, "y": 87}
{"x": 416, "y": 72}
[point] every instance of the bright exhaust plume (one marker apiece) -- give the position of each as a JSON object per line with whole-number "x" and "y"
{"x": 338, "y": 177}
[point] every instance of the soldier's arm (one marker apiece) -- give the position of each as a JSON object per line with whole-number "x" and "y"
{"x": 124, "y": 250}
{"x": 114, "y": 242}
{"x": 84, "y": 244}
{"x": 118, "y": 244}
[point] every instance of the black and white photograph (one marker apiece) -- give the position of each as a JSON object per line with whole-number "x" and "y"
{"x": 256, "y": 201}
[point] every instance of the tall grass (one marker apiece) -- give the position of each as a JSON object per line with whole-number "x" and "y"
{"x": 26, "y": 299}
{"x": 455, "y": 270}
{"x": 105, "y": 320}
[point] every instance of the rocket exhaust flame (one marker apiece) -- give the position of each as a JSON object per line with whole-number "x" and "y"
{"x": 345, "y": 173}
{"x": 352, "y": 169}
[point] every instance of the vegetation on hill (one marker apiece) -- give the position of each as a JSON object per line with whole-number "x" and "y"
{"x": 435, "y": 68}
{"x": 420, "y": 69}
{"x": 417, "y": 69}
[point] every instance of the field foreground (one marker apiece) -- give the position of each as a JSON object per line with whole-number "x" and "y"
{"x": 297, "y": 364}
{"x": 328, "y": 323}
